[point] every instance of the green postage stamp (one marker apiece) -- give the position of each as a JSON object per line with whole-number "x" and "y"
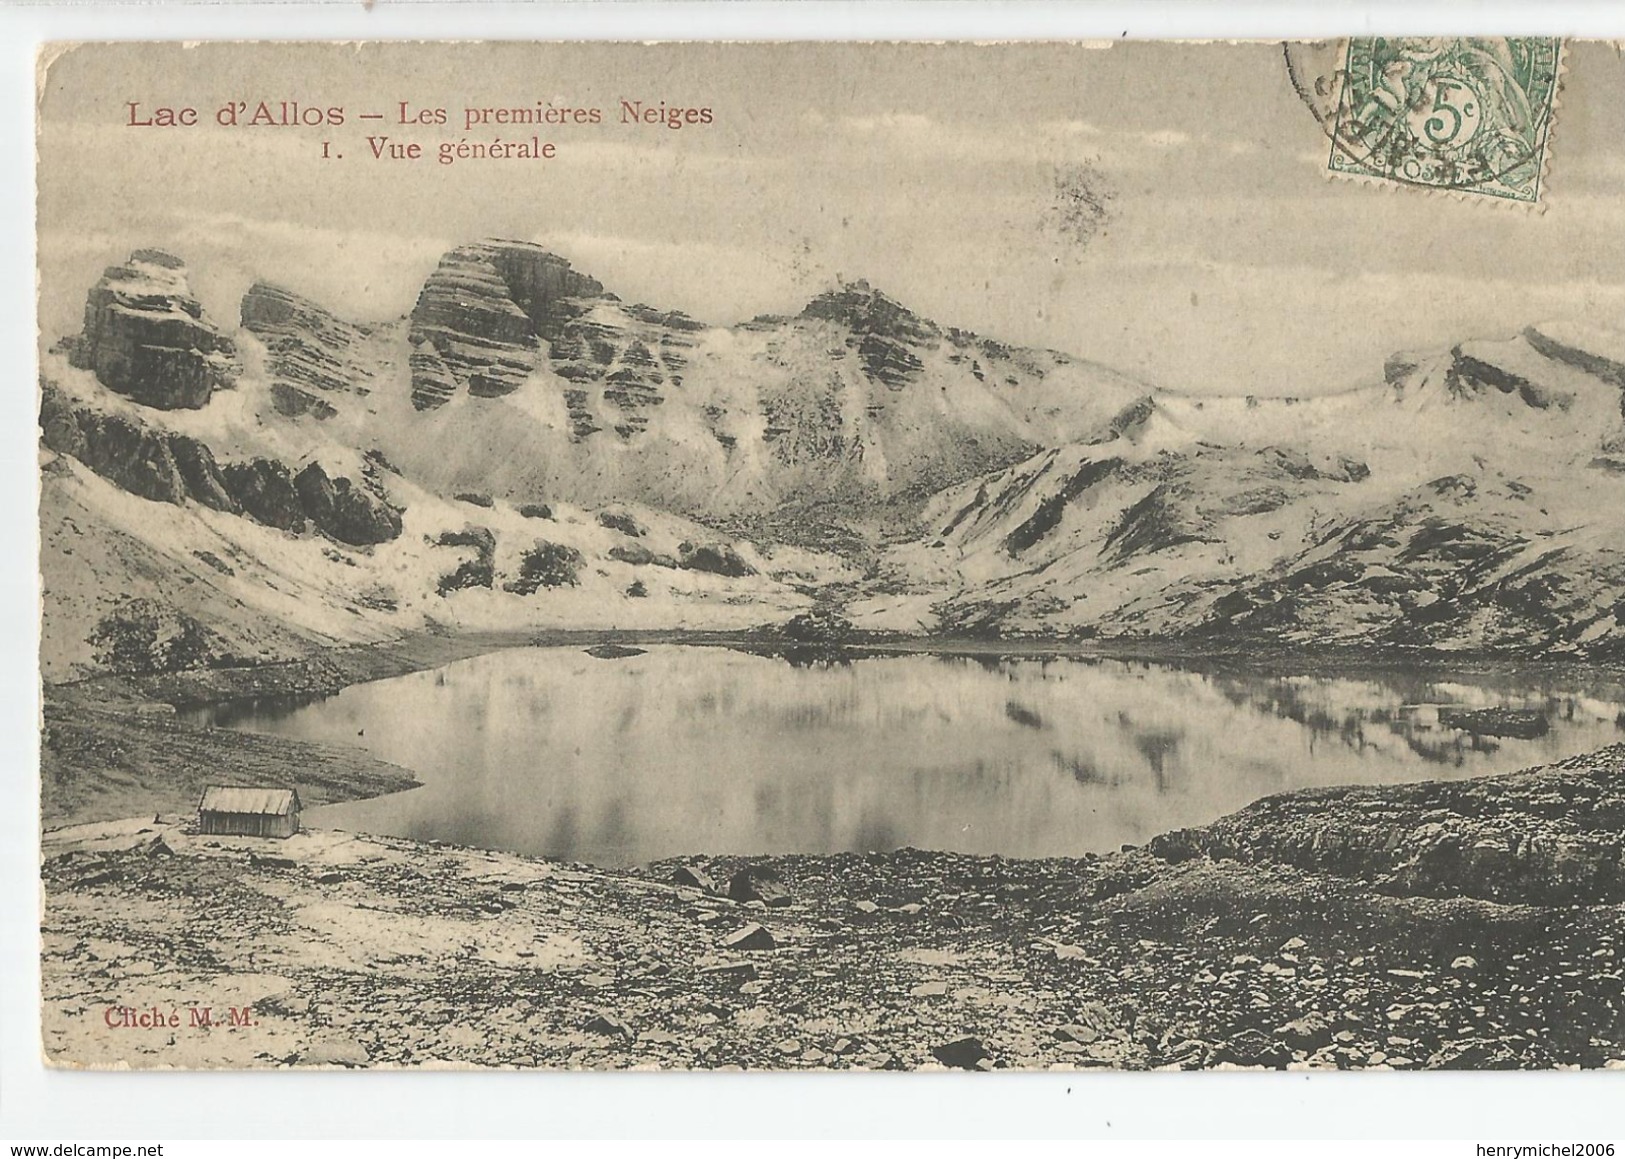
{"x": 1470, "y": 115}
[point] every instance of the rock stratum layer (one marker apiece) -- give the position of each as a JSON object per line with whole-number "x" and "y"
{"x": 482, "y": 316}
{"x": 145, "y": 335}
{"x": 310, "y": 352}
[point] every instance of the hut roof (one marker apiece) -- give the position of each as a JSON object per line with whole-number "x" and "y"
{"x": 242, "y": 799}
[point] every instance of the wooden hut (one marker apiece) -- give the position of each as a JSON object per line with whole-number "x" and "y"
{"x": 248, "y": 812}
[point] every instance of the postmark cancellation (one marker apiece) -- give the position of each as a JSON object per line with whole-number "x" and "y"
{"x": 1469, "y": 115}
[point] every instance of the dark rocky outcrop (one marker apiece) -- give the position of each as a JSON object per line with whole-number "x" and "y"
{"x": 621, "y": 521}
{"x": 175, "y": 468}
{"x": 293, "y": 402}
{"x": 546, "y": 565}
{"x": 820, "y": 626}
{"x": 145, "y": 336}
{"x": 138, "y": 460}
{"x": 1049, "y": 512}
{"x": 717, "y": 558}
{"x": 479, "y": 572}
{"x": 350, "y": 512}
{"x": 1469, "y": 374}
{"x": 265, "y": 489}
{"x": 882, "y": 329}
{"x": 541, "y": 282}
{"x": 1549, "y": 836}
{"x": 888, "y": 361}
{"x": 1165, "y": 518}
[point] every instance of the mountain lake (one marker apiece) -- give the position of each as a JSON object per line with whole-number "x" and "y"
{"x": 707, "y": 750}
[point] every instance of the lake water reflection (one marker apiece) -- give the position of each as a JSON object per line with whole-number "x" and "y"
{"x": 683, "y": 749}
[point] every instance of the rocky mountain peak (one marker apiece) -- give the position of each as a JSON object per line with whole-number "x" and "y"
{"x": 145, "y": 335}
{"x": 537, "y": 279}
{"x": 481, "y": 314}
{"x": 866, "y": 310}
{"x": 882, "y": 330}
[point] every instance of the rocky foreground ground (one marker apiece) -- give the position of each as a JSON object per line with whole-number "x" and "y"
{"x": 1464, "y": 925}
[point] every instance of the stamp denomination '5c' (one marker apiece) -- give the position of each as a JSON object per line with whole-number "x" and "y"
{"x": 1468, "y": 114}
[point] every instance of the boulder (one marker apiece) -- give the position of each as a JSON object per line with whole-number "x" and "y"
{"x": 335, "y": 1051}
{"x": 609, "y": 1026}
{"x": 1308, "y": 1033}
{"x": 750, "y": 936}
{"x": 758, "y": 883}
{"x": 695, "y": 877}
{"x": 963, "y": 1053}
{"x": 1076, "y": 1032}
{"x": 632, "y": 553}
{"x": 1254, "y": 1048}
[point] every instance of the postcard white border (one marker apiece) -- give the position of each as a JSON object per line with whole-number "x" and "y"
{"x": 36, "y": 1104}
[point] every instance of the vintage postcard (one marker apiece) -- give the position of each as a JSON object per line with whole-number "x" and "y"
{"x": 813, "y": 556}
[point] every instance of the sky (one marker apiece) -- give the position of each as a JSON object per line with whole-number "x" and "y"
{"x": 1160, "y": 208}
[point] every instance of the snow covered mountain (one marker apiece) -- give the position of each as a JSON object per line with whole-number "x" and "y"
{"x": 242, "y": 496}
{"x": 1473, "y": 499}
{"x": 525, "y": 449}
{"x": 531, "y": 381}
